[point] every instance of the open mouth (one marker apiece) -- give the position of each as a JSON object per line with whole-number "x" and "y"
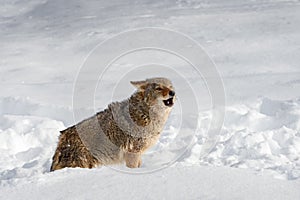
{"x": 169, "y": 102}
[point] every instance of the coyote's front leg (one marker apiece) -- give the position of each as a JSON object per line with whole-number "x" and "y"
{"x": 133, "y": 160}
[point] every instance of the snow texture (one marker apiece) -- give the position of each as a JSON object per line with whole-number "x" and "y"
{"x": 255, "y": 46}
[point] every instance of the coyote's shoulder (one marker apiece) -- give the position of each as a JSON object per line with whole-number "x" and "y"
{"x": 121, "y": 132}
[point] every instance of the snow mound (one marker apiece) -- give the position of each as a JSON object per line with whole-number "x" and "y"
{"x": 264, "y": 137}
{"x": 26, "y": 146}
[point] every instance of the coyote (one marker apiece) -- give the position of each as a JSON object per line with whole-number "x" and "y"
{"x": 120, "y": 133}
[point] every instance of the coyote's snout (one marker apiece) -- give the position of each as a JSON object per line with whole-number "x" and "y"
{"x": 120, "y": 133}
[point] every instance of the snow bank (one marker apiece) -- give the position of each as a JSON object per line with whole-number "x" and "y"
{"x": 264, "y": 136}
{"x": 27, "y": 144}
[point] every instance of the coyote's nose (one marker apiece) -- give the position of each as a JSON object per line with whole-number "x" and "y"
{"x": 171, "y": 93}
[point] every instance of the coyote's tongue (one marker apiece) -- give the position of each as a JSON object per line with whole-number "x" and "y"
{"x": 168, "y": 102}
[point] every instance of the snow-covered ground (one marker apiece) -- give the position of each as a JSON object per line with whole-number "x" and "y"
{"x": 255, "y": 46}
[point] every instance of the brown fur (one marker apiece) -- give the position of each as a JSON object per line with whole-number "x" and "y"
{"x": 122, "y": 132}
{"x": 71, "y": 152}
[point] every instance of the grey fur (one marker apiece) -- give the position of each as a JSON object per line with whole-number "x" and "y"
{"x": 122, "y": 132}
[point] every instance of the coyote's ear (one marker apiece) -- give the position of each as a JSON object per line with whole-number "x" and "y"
{"x": 140, "y": 85}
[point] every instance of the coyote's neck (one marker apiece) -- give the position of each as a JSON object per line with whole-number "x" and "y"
{"x": 139, "y": 110}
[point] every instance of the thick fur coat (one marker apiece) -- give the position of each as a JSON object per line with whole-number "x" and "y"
{"x": 121, "y": 133}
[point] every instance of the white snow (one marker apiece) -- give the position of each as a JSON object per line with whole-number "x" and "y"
{"x": 255, "y": 45}
{"x": 177, "y": 182}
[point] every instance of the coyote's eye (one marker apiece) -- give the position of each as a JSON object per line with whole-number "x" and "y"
{"x": 158, "y": 89}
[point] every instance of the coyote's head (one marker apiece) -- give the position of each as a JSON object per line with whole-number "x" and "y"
{"x": 156, "y": 91}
